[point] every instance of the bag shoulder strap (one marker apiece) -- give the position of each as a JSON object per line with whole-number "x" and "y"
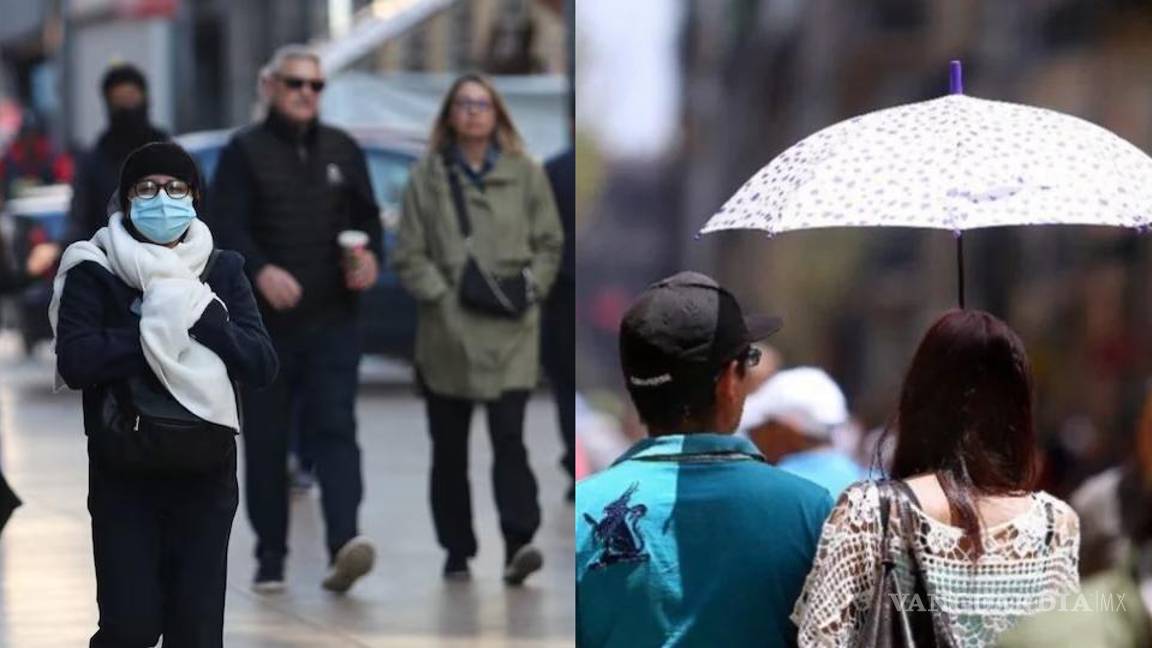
{"x": 906, "y": 491}
{"x": 208, "y": 264}
{"x": 884, "y": 491}
{"x": 457, "y": 196}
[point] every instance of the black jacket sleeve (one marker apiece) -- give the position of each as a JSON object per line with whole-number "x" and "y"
{"x": 230, "y": 205}
{"x": 365, "y": 212}
{"x": 80, "y": 216}
{"x": 237, "y": 334}
{"x": 87, "y": 352}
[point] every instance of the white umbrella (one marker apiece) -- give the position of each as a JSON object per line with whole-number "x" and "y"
{"x": 953, "y": 163}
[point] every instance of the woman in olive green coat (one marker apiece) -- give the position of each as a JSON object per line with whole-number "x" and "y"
{"x": 466, "y": 356}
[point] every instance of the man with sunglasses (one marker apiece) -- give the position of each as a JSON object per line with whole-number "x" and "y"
{"x": 283, "y": 191}
{"x": 691, "y": 537}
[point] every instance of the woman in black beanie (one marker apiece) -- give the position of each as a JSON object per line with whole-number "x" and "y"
{"x": 156, "y": 326}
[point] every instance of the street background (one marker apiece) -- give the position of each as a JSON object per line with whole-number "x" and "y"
{"x": 388, "y": 65}
{"x": 676, "y": 116}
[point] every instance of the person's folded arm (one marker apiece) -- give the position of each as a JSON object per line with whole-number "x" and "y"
{"x": 235, "y": 332}
{"x": 87, "y": 352}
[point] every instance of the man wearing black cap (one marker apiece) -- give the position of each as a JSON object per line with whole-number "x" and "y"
{"x": 125, "y": 92}
{"x": 690, "y": 534}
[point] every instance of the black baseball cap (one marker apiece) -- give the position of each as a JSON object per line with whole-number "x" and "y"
{"x": 684, "y": 328}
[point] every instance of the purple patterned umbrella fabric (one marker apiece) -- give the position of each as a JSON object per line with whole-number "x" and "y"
{"x": 954, "y": 163}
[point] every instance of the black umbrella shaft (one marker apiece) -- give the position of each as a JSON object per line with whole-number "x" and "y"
{"x": 960, "y": 267}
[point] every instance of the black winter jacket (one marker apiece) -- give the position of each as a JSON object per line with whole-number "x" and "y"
{"x": 98, "y": 336}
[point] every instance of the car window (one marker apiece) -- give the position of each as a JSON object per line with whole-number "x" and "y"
{"x": 206, "y": 159}
{"x": 389, "y": 172}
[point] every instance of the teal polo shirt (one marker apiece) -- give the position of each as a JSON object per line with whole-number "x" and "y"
{"x": 693, "y": 540}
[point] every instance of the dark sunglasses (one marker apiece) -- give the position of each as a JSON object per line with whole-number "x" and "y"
{"x": 174, "y": 189}
{"x": 296, "y": 83}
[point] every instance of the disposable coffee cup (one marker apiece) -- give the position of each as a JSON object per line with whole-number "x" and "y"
{"x": 352, "y": 241}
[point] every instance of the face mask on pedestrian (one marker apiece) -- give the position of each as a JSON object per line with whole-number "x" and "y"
{"x": 128, "y": 119}
{"x": 161, "y": 218}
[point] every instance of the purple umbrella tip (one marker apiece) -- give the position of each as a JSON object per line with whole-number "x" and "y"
{"x": 955, "y": 77}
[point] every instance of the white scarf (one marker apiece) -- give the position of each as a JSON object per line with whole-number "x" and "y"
{"x": 174, "y": 298}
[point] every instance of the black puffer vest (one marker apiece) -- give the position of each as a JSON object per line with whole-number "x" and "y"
{"x": 301, "y": 202}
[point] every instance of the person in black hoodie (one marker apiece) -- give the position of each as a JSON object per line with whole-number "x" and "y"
{"x": 149, "y": 301}
{"x": 125, "y": 92}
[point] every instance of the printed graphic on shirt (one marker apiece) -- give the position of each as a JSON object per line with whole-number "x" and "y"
{"x": 617, "y": 533}
{"x": 335, "y": 176}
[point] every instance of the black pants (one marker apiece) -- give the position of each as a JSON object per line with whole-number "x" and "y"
{"x": 316, "y": 391}
{"x": 161, "y": 553}
{"x": 558, "y": 352}
{"x": 449, "y": 420}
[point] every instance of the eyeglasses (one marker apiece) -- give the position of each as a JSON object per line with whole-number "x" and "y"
{"x": 472, "y": 105}
{"x": 749, "y": 358}
{"x": 174, "y": 189}
{"x": 296, "y": 83}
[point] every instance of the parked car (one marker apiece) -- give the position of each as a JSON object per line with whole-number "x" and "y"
{"x": 40, "y": 215}
{"x": 387, "y": 311}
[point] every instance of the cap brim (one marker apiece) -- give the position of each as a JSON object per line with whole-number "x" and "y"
{"x": 761, "y": 327}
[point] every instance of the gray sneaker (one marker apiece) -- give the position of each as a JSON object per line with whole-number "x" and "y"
{"x": 353, "y": 560}
{"x": 525, "y": 561}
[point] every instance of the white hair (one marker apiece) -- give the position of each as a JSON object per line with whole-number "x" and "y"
{"x": 285, "y": 53}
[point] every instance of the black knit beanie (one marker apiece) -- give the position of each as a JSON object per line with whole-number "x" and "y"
{"x": 123, "y": 73}
{"x": 163, "y": 158}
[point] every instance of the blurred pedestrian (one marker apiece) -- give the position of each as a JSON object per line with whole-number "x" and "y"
{"x": 964, "y": 521}
{"x": 39, "y": 263}
{"x": 32, "y": 160}
{"x": 285, "y": 190}
{"x": 479, "y": 247}
{"x": 792, "y": 418}
{"x": 154, "y": 325}
{"x": 1114, "y": 607}
{"x": 1105, "y": 501}
{"x": 691, "y": 538}
{"x": 558, "y": 320}
{"x": 125, "y": 93}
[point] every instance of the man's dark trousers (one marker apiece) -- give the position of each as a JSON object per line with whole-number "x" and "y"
{"x": 319, "y": 374}
{"x": 558, "y": 348}
{"x": 161, "y": 554}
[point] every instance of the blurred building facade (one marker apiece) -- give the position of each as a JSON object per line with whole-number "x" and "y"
{"x": 203, "y": 57}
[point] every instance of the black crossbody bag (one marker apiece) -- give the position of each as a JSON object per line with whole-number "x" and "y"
{"x": 146, "y": 431}
{"x": 480, "y": 290}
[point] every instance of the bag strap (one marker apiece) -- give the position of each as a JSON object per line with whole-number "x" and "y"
{"x": 884, "y": 491}
{"x": 208, "y": 265}
{"x": 1051, "y": 526}
{"x": 457, "y": 196}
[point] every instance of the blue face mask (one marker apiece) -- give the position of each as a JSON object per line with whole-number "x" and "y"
{"x": 161, "y": 218}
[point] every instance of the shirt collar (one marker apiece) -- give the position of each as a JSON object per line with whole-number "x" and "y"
{"x": 490, "y": 158}
{"x": 690, "y": 444}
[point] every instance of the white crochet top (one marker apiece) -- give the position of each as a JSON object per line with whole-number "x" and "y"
{"x": 1028, "y": 563}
